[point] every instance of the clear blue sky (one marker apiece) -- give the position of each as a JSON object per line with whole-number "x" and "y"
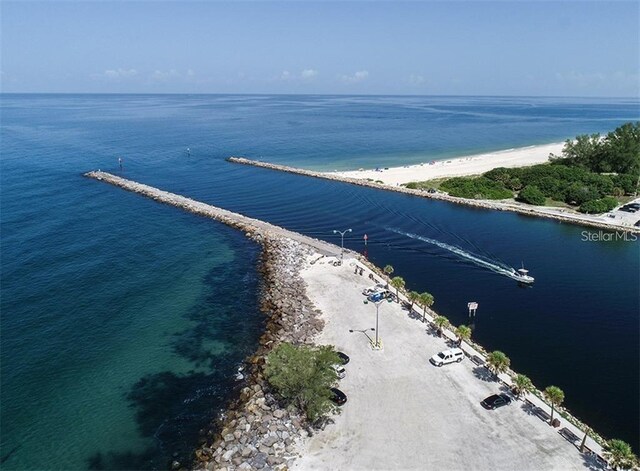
{"x": 566, "y": 48}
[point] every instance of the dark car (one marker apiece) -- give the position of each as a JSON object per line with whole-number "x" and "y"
{"x": 343, "y": 358}
{"x": 338, "y": 396}
{"x": 637, "y": 224}
{"x": 496, "y": 400}
{"x": 634, "y": 205}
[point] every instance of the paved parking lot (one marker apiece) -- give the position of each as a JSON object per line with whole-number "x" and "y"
{"x": 403, "y": 413}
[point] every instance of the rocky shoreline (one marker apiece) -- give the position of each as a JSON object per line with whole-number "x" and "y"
{"x": 483, "y": 204}
{"x": 256, "y": 431}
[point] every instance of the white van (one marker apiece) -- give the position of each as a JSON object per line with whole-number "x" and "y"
{"x": 447, "y": 356}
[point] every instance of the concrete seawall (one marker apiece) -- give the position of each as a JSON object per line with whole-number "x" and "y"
{"x": 571, "y": 218}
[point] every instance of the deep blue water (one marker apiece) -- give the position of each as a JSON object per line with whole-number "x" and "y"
{"x": 124, "y": 320}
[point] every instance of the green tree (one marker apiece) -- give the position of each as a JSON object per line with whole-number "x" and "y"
{"x": 388, "y": 270}
{"x": 622, "y": 149}
{"x": 555, "y": 396}
{"x": 414, "y": 297}
{"x": 598, "y": 206}
{"x": 584, "y": 151}
{"x": 463, "y": 333}
{"x": 303, "y": 375}
{"x": 398, "y": 283}
{"x": 522, "y": 385}
{"x": 498, "y": 362}
{"x": 531, "y": 194}
{"x": 441, "y": 323}
{"x": 426, "y": 300}
{"x": 620, "y": 455}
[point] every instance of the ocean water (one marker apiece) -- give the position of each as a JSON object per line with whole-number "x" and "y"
{"x": 123, "y": 321}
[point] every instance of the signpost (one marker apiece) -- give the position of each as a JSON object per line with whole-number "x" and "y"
{"x": 472, "y": 308}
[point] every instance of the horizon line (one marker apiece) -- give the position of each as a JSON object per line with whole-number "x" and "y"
{"x": 322, "y": 94}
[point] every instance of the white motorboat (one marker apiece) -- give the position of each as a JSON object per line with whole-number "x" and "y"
{"x": 522, "y": 275}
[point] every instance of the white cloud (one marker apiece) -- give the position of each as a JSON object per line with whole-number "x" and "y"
{"x": 164, "y": 76}
{"x": 116, "y": 74}
{"x": 308, "y": 74}
{"x": 416, "y": 79}
{"x": 359, "y": 76}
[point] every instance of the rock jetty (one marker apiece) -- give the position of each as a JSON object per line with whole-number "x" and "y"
{"x": 256, "y": 431}
{"x": 571, "y": 218}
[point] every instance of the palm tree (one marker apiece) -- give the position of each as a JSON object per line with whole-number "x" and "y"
{"x": 620, "y": 455}
{"x": 587, "y": 429}
{"x": 498, "y": 362}
{"x": 388, "y": 270}
{"x": 398, "y": 283}
{"x": 464, "y": 333}
{"x": 426, "y": 300}
{"x": 555, "y": 396}
{"x": 414, "y": 297}
{"x": 522, "y": 385}
{"x": 441, "y": 323}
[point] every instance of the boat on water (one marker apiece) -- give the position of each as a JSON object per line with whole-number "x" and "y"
{"x": 521, "y": 275}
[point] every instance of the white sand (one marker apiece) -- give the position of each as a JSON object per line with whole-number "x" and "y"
{"x": 402, "y": 413}
{"x": 466, "y": 165}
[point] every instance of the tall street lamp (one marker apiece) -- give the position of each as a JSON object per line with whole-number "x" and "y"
{"x": 342, "y": 233}
{"x": 378, "y": 303}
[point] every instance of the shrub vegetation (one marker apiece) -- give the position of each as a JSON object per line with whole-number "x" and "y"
{"x": 302, "y": 376}
{"x": 478, "y": 188}
{"x": 591, "y": 172}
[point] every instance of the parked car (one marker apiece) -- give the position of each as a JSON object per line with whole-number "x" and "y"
{"x": 340, "y": 371}
{"x": 633, "y": 205}
{"x": 629, "y": 208}
{"x": 378, "y": 296}
{"x": 373, "y": 289}
{"x": 338, "y": 397}
{"x": 637, "y": 224}
{"x": 431, "y": 190}
{"x": 343, "y": 357}
{"x": 495, "y": 400}
{"x": 447, "y": 356}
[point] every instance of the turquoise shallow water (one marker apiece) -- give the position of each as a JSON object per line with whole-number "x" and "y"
{"x": 123, "y": 321}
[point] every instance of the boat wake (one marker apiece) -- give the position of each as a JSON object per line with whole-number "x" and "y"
{"x": 494, "y": 266}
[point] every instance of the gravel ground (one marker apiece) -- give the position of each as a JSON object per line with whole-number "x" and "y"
{"x": 402, "y": 412}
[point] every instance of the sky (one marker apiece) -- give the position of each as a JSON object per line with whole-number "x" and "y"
{"x": 539, "y": 48}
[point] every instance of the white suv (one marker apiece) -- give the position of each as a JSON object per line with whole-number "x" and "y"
{"x": 447, "y": 356}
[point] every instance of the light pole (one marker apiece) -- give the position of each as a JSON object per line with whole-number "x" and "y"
{"x": 377, "y": 345}
{"x": 342, "y": 233}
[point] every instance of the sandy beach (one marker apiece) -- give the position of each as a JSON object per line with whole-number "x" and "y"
{"x": 459, "y": 166}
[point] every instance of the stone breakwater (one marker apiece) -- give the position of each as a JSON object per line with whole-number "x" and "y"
{"x": 572, "y": 218}
{"x": 256, "y": 431}
{"x": 254, "y": 228}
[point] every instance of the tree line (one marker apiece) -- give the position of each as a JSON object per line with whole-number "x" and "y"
{"x": 591, "y": 173}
